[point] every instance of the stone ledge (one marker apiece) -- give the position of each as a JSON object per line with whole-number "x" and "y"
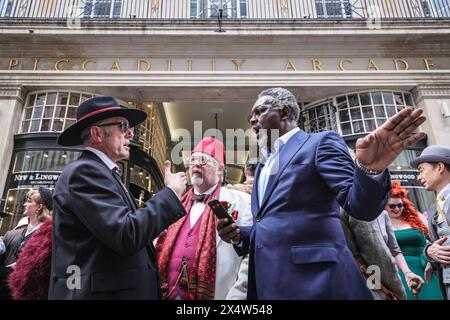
{"x": 434, "y": 91}
{"x": 13, "y": 92}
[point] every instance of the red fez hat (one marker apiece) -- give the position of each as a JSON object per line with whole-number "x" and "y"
{"x": 213, "y": 147}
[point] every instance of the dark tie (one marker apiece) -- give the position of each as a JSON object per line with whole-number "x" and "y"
{"x": 117, "y": 175}
{"x": 199, "y": 197}
{"x": 117, "y": 172}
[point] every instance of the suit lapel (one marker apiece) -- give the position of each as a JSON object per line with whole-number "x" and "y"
{"x": 294, "y": 144}
{"x": 255, "y": 192}
{"x": 127, "y": 196}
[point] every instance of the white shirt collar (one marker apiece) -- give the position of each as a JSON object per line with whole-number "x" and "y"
{"x": 106, "y": 160}
{"x": 280, "y": 141}
{"x": 209, "y": 191}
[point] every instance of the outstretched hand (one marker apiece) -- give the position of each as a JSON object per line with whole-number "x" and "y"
{"x": 378, "y": 149}
{"x": 176, "y": 181}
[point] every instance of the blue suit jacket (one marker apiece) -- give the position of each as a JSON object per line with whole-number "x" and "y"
{"x": 298, "y": 248}
{"x": 97, "y": 227}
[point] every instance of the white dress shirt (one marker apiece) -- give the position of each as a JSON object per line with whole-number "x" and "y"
{"x": 198, "y": 207}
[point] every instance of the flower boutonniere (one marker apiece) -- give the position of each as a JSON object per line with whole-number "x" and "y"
{"x": 233, "y": 213}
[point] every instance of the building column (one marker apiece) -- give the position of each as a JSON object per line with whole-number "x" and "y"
{"x": 12, "y": 99}
{"x": 435, "y": 100}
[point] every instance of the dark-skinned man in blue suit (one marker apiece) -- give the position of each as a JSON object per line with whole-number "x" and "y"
{"x": 297, "y": 246}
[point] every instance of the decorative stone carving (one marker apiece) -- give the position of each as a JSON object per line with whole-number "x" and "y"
{"x": 13, "y": 92}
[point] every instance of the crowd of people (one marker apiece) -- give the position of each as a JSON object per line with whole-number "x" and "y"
{"x": 310, "y": 221}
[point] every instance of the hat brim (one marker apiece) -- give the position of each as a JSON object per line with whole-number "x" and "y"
{"x": 429, "y": 158}
{"x": 72, "y": 135}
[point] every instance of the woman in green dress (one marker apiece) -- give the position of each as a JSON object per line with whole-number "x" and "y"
{"x": 411, "y": 233}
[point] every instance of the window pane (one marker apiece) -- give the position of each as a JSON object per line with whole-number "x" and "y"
{"x": 62, "y": 98}
{"x": 356, "y": 113}
{"x": 31, "y": 101}
{"x": 58, "y": 125}
{"x": 71, "y": 111}
{"x": 35, "y": 125}
{"x": 388, "y": 99}
{"x": 365, "y": 99}
{"x": 343, "y": 115}
{"x": 341, "y": 102}
{"x": 117, "y": 8}
{"x": 40, "y": 99}
{"x": 391, "y": 110}
{"x": 367, "y": 112}
{"x": 51, "y": 98}
{"x": 48, "y": 112}
{"x": 45, "y": 126}
{"x": 379, "y": 112}
{"x": 370, "y": 125}
{"x": 28, "y": 112}
{"x": 376, "y": 98}
{"x": 358, "y": 127}
{"x": 74, "y": 99}
{"x": 243, "y": 8}
{"x": 25, "y": 126}
{"x": 60, "y": 112}
{"x": 409, "y": 100}
{"x": 87, "y": 7}
{"x": 193, "y": 8}
{"x": 353, "y": 100}
{"x": 37, "y": 112}
{"x": 346, "y": 128}
{"x": 399, "y": 99}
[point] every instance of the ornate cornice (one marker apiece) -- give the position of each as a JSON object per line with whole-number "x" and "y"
{"x": 434, "y": 91}
{"x": 13, "y": 92}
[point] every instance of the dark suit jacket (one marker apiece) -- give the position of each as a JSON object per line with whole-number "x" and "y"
{"x": 98, "y": 229}
{"x": 298, "y": 245}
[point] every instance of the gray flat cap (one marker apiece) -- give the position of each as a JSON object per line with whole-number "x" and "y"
{"x": 436, "y": 153}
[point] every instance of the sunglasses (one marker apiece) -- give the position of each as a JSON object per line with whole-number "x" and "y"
{"x": 393, "y": 206}
{"x": 123, "y": 125}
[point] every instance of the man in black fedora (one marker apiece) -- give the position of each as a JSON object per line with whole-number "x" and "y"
{"x": 102, "y": 243}
{"x": 434, "y": 174}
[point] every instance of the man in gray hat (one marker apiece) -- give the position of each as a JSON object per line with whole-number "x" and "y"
{"x": 434, "y": 174}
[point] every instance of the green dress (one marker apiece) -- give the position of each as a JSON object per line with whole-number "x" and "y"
{"x": 412, "y": 242}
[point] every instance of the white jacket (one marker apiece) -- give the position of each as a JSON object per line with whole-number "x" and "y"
{"x": 232, "y": 270}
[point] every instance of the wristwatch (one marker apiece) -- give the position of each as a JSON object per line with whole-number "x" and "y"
{"x": 366, "y": 170}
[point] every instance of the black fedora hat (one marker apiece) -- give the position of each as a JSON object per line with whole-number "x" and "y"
{"x": 94, "y": 110}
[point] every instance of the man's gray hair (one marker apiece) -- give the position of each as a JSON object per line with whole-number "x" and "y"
{"x": 281, "y": 98}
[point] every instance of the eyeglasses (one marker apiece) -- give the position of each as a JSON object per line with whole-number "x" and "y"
{"x": 201, "y": 160}
{"x": 393, "y": 206}
{"x": 123, "y": 125}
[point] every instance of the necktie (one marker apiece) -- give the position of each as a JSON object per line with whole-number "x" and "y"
{"x": 199, "y": 197}
{"x": 440, "y": 207}
{"x": 117, "y": 175}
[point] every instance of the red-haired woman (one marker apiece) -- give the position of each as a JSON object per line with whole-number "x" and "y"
{"x": 411, "y": 233}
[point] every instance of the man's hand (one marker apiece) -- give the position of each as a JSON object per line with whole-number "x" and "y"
{"x": 176, "y": 181}
{"x": 439, "y": 253}
{"x": 230, "y": 234}
{"x": 378, "y": 149}
{"x": 428, "y": 273}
